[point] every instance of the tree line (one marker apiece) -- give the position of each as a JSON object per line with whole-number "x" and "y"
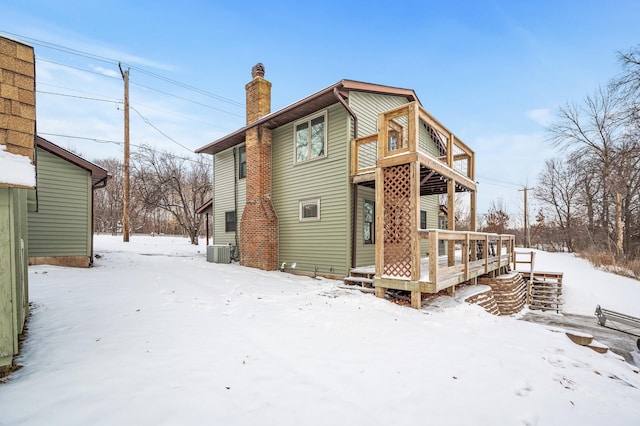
{"x": 590, "y": 194}
{"x": 166, "y": 190}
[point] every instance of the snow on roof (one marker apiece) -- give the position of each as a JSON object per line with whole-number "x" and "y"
{"x": 16, "y": 169}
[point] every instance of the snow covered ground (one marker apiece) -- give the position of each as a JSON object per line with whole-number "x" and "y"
{"x": 155, "y": 335}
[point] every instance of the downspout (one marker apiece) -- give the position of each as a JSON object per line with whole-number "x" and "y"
{"x": 92, "y": 226}
{"x": 235, "y": 199}
{"x": 354, "y": 207}
{"x": 100, "y": 184}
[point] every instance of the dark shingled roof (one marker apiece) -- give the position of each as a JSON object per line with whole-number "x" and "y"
{"x": 304, "y": 107}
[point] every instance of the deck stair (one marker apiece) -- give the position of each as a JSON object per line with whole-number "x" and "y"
{"x": 546, "y": 291}
{"x": 362, "y": 277}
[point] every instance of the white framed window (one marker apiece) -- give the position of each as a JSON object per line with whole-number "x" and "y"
{"x": 309, "y": 210}
{"x": 310, "y": 138}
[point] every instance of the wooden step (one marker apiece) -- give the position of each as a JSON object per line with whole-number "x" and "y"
{"x": 364, "y": 282}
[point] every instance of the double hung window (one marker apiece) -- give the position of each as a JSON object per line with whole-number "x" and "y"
{"x": 311, "y": 138}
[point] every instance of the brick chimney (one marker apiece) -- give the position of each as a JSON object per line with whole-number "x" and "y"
{"x": 259, "y": 224}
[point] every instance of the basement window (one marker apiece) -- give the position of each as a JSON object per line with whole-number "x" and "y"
{"x": 369, "y": 213}
{"x": 309, "y": 210}
{"x": 230, "y": 221}
{"x": 311, "y": 138}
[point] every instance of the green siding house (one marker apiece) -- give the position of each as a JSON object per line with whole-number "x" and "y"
{"x": 324, "y": 219}
{"x": 61, "y": 208}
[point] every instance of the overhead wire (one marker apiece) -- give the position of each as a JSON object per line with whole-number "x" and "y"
{"x": 112, "y": 61}
{"x": 144, "y": 86}
{"x": 116, "y": 101}
{"x": 147, "y": 121}
{"x": 119, "y": 143}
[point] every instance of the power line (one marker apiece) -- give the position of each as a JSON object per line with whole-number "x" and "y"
{"x": 119, "y": 143}
{"x": 144, "y": 86}
{"x": 146, "y": 120}
{"x": 186, "y": 99}
{"x": 111, "y": 101}
{"x": 72, "y": 89}
{"x": 497, "y": 182}
{"x": 89, "y": 55}
{"x": 76, "y": 68}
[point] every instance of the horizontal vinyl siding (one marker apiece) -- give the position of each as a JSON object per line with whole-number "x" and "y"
{"x": 61, "y": 225}
{"x": 367, "y": 106}
{"x": 427, "y": 144}
{"x": 430, "y": 204}
{"x": 323, "y": 244}
{"x": 224, "y": 199}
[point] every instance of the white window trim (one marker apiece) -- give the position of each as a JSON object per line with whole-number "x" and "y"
{"x": 308, "y": 201}
{"x": 295, "y": 142}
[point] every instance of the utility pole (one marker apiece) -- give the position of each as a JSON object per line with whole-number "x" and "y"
{"x": 527, "y": 238}
{"x": 125, "y": 202}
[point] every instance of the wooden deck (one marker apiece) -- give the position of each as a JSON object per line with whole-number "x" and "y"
{"x": 414, "y": 155}
{"x": 474, "y": 259}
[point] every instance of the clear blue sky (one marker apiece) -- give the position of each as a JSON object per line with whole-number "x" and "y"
{"x": 494, "y": 72}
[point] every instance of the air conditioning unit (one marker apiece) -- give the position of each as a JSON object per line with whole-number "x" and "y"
{"x": 219, "y": 253}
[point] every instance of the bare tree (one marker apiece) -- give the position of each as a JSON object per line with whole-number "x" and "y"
{"x": 559, "y": 188}
{"x": 174, "y": 184}
{"x": 628, "y": 81}
{"x": 594, "y": 130}
{"x": 497, "y": 219}
{"x": 108, "y": 201}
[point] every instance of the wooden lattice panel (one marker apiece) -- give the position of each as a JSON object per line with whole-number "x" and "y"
{"x": 397, "y": 221}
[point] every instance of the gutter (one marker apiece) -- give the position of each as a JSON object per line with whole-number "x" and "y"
{"x": 354, "y": 207}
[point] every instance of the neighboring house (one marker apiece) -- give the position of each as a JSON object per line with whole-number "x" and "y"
{"x": 293, "y": 170}
{"x": 61, "y": 208}
{"x": 17, "y": 176}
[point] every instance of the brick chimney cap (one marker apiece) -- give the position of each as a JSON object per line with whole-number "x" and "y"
{"x": 257, "y": 70}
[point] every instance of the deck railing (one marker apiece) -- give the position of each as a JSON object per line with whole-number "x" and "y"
{"x": 481, "y": 253}
{"x": 404, "y": 135}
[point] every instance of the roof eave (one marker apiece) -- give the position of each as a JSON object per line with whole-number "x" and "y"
{"x": 98, "y": 174}
{"x": 271, "y": 120}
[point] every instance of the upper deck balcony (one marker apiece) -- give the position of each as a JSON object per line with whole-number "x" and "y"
{"x": 408, "y": 134}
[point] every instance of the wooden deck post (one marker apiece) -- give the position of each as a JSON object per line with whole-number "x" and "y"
{"x": 472, "y": 211}
{"x": 433, "y": 256}
{"x": 465, "y": 256}
{"x": 451, "y": 220}
{"x": 416, "y": 299}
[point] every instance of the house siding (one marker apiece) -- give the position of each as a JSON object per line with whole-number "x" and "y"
{"x": 224, "y": 180}
{"x": 317, "y": 246}
{"x": 14, "y": 289}
{"x": 367, "y": 106}
{"x": 61, "y": 226}
{"x": 430, "y": 204}
{"x": 322, "y": 246}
